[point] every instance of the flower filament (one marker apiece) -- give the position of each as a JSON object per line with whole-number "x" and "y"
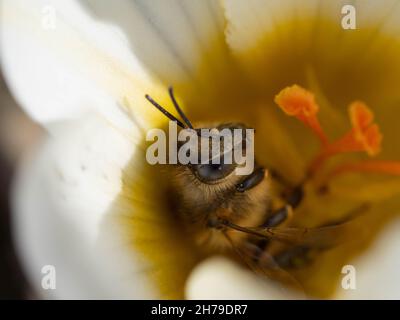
{"x": 363, "y": 136}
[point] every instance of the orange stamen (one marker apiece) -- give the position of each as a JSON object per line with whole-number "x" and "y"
{"x": 364, "y": 136}
{"x": 300, "y": 103}
{"x": 366, "y": 133}
{"x": 369, "y": 166}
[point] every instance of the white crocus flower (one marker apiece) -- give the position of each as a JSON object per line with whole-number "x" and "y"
{"x": 87, "y": 203}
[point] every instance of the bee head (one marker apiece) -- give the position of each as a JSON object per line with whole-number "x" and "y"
{"x": 215, "y": 150}
{"x": 211, "y": 154}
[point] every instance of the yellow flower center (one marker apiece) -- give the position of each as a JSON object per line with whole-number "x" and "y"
{"x": 338, "y": 66}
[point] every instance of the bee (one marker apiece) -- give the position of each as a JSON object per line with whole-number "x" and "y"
{"x": 239, "y": 214}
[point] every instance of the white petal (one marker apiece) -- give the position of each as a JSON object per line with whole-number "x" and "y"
{"x": 221, "y": 278}
{"x": 59, "y": 62}
{"x": 384, "y": 14}
{"x": 170, "y": 37}
{"x": 376, "y": 276}
{"x": 61, "y": 200}
{"x": 377, "y": 271}
{"x": 250, "y": 21}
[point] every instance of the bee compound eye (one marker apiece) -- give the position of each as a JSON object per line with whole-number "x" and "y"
{"x": 213, "y": 172}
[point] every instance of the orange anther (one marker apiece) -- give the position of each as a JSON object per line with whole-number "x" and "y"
{"x": 300, "y": 103}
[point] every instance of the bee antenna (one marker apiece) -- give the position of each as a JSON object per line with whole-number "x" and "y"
{"x": 165, "y": 112}
{"x": 176, "y": 105}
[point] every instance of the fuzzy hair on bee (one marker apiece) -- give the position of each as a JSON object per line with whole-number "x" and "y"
{"x": 202, "y": 203}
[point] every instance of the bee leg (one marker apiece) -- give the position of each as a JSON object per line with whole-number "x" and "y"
{"x": 281, "y": 215}
{"x": 277, "y": 217}
{"x": 294, "y": 194}
{"x": 251, "y": 180}
{"x": 274, "y": 219}
{"x": 291, "y": 258}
